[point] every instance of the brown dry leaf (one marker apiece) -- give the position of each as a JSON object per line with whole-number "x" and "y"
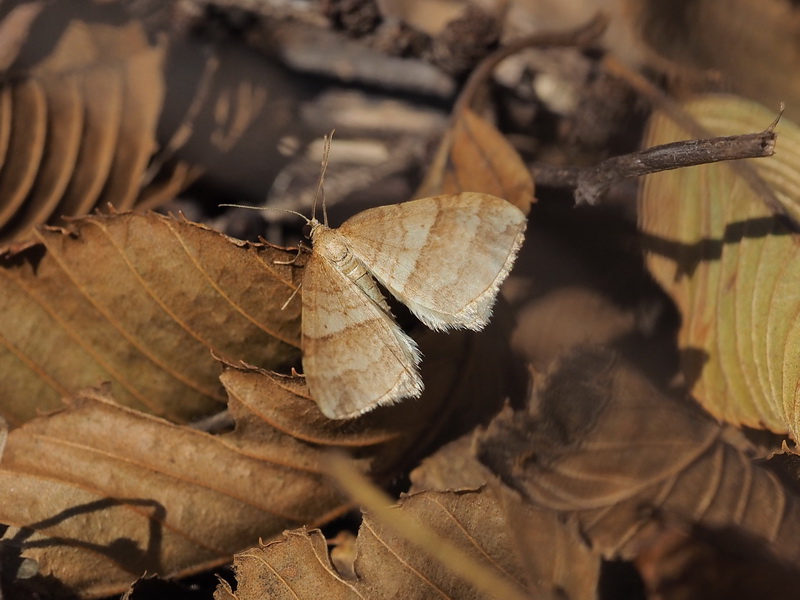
{"x": 296, "y": 566}
{"x": 731, "y": 266}
{"x": 140, "y": 301}
{"x": 14, "y": 29}
{"x": 189, "y": 500}
{"x": 97, "y": 494}
{"x": 753, "y": 44}
{"x": 387, "y": 565}
{"x": 553, "y": 555}
{"x": 451, "y": 467}
{"x": 80, "y": 127}
{"x": 474, "y": 157}
{"x": 557, "y": 560}
{"x": 613, "y": 452}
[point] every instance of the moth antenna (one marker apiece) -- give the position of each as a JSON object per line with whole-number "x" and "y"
{"x": 321, "y": 188}
{"x": 285, "y": 210}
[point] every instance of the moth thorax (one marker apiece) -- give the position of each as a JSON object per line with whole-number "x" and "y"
{"x": 330, "y": 244}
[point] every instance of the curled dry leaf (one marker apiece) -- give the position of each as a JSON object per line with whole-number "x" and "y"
{"x": 14, "y": 29}
{"x": 474, "y": 157}
{"x": 77, "y": 482}
{"x": 451, "y": 467}
{"x": 731, "y": 266}
{"x": 79, "y": 129}
{"x": 553, "y": 556}
{"x": 141, "y": 301}
{"x": 387, "y": 565}
{"x": 612, "y": 452}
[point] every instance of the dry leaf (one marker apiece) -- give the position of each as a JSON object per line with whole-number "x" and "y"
{"x": 78, "y": 481}
{"x": 14, "y": 29}
{"x": 296, "y": 566}
{"x": 474, "y": 157}
{"x": 620, "y": 457}
{"x": 82, "y": 125}
{"x": 355, "y": 357}
{"x": 467, "y": 376}
{"x": 120, "y": 474}
{"x": 554, "y": 557}
{"x": 557, "y": 560}
{"x": 451, "y": 467}
{"x": 731, "y": 266}
{"x": 141, "y": 301}
{"x": 387, "y": 565}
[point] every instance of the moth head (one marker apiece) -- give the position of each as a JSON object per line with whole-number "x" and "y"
{"x": 311, "y": 228}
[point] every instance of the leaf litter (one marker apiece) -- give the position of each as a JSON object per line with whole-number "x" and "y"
{"x": 601, "y": 466}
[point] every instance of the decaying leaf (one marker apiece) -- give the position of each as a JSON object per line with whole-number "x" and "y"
{"x": 553, "y": 556}
{"x": 14, "y": 29}
{"x": 141, "y": 301}
{"x": 187, "y": 499}
{"x": 474, "y": 157}
{"x": 387, "y": 565}
{"x": 731, "y": 266}
{"x": 612, "y": 452}
{"x": 77, "y": 482}
{"x": 80, "y": 127}
{"x": 451, "y": 467}
{"x": 88, "y": 477}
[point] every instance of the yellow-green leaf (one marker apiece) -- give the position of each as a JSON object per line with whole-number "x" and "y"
{"x": 731, "y": 265}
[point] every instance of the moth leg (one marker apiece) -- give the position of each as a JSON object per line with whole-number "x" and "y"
{"x": 293, "y": 261}
{"x": 294, "y": 293}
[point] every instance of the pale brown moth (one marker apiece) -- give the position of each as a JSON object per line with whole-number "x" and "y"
{"x": 443, "y": 257}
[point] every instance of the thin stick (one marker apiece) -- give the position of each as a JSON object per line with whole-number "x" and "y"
{"x": 591, "y": 182}
{"x": 674, "y": 111}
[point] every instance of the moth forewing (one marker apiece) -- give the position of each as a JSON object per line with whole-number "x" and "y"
{"x": 355, "y": 357}
{"x": 443, "y": 257}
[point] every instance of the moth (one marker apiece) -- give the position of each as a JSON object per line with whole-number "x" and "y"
{"x": 443, "y": 257}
